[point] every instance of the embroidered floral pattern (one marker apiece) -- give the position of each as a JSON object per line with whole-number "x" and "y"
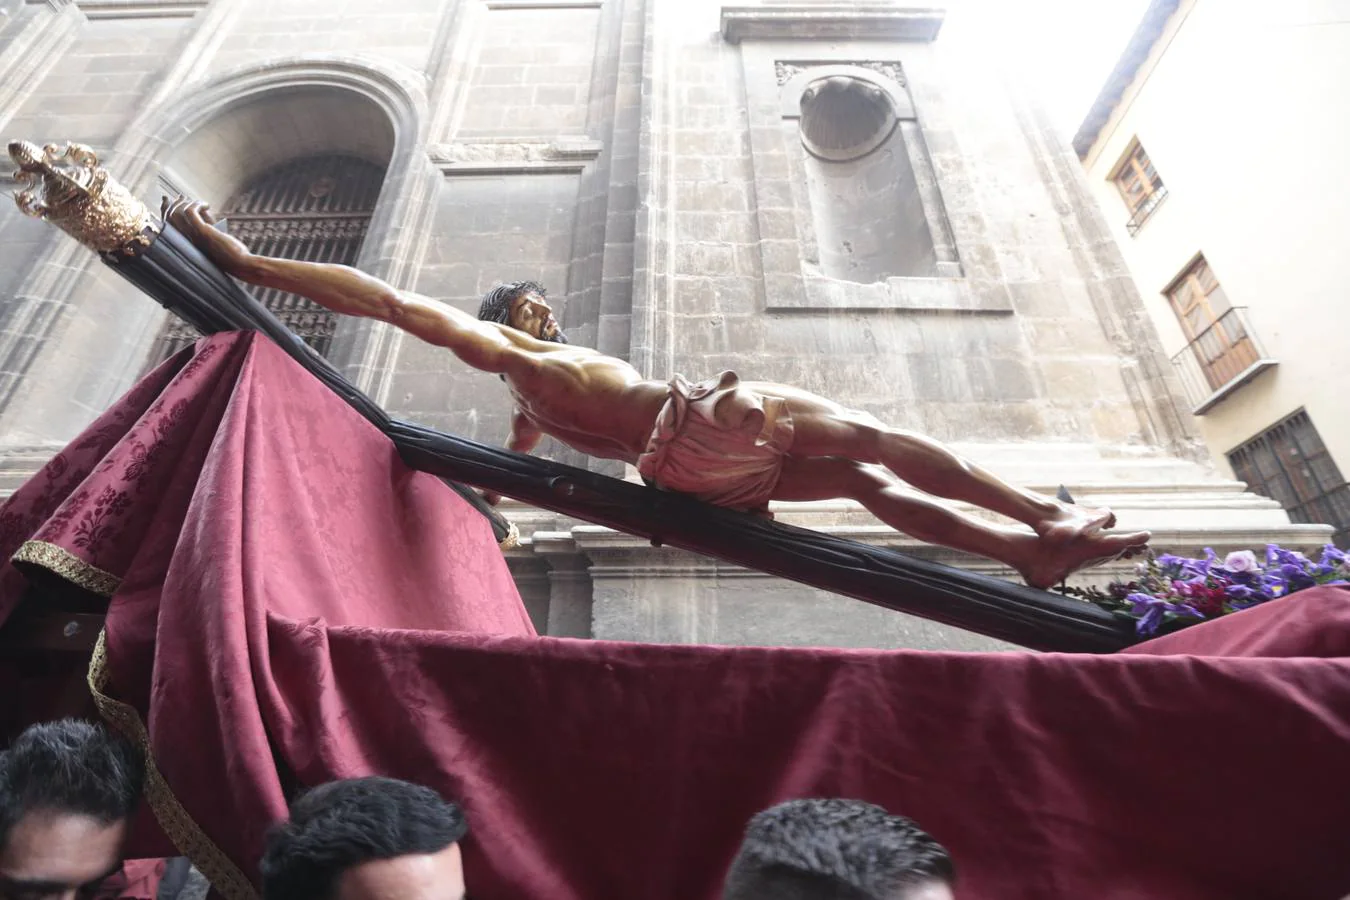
{"x": 85, "y": 502}
{"x": 96, "y": 523}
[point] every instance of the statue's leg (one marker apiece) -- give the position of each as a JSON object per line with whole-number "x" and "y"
{"x": 1043, "y": 561}
{"x": 824, "y": 428}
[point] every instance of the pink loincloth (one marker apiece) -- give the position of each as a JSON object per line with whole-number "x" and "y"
{"x": 719, "y": 442}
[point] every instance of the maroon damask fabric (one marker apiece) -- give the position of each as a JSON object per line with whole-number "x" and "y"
{"x": 605, "y": 770}
{"x": 299, "y": 507}
{"x": 231, "y": 466}
{"x": 81, "y": 499}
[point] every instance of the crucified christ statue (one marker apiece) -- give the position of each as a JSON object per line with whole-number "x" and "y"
{"x": 733, "y": 443}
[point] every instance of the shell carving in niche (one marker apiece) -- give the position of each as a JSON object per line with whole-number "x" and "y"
{"x": 845, "y": 118}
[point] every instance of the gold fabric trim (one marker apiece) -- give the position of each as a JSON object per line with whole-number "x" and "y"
{"x": 177, "y": 824}
{"x": 512, "y": 539}
{"x": 69, "y": 566}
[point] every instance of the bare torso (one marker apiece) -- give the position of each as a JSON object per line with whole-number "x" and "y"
{"x": 594, "y": 403}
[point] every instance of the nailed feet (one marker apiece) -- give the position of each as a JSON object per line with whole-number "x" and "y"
{"x": 1077, "y": 538}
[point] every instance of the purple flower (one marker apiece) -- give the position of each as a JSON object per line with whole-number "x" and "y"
{"x": 1241, "y": 562}
{"x": 1141, "y": 602}
{"x": 1297, "y": 577}
{"x": 1277, "y": 555}
{"x": 1175, "y": 587}
{"x": 1197, "y": 568}
{"x": 1148, "y": 625}
{"x": 1168, "y": 561}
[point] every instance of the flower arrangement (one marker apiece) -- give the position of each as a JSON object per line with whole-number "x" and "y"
{"x": 1173, "y": 591}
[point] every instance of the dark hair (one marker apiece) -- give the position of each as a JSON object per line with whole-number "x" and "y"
{"x": 345, "y": 823}
{"x": 496, "y": 305}
{"x": 833, "y": 850}
{"x": 69, "y": 766}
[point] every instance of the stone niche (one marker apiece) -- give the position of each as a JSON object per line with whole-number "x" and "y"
{"x": 850, "y": 206}
{"x": 846, "y": 148}
{"x": 868, "y": 216}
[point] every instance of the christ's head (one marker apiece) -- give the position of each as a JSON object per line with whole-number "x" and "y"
{"x": 523, "y": 306}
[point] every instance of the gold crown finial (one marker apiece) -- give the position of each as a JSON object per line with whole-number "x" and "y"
{"x": 67, "y": 187}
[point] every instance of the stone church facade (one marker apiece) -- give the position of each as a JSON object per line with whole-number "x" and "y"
{"x": 829, "y": 195}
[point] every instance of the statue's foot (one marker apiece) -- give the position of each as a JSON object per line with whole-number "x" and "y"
{"x": 1076, "y": 519}
{"x": 1064, "y": 549}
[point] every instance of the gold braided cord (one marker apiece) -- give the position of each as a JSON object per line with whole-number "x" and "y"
{"x": 174, "y": 820}
{"x": 512, "y": 539}
{"x": 62, "y": 562}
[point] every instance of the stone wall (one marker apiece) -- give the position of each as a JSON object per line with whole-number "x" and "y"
{"x": 100, "y": 81}
{"x": 531, "y": 72}
{"x": 401, "y": 32}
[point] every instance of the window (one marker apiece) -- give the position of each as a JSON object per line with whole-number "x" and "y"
{"x": 1218, "y": 337}
{"x": 1140, "y": 185}
{"x": 314, "y": 209}
{"x": 1290, "y": 464}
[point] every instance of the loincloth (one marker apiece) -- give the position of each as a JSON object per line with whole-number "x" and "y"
{"x": 719, "y": 442}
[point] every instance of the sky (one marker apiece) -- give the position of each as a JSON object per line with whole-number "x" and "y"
{"x": 1064, "y": 49}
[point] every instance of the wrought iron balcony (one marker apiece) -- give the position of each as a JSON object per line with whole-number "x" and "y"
{"x": 1151, "y": 202}
{"x": 1221, "y": 359}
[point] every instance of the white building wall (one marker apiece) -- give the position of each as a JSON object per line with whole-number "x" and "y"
{"x": 1244, "y": 110}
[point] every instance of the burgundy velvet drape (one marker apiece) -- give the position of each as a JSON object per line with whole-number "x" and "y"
{"x": 292, "y": 604}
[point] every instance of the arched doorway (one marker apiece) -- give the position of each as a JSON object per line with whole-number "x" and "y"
{"x": 316, "y": 209}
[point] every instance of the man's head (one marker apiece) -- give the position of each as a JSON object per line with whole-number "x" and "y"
{"x": 67, "y": 793}
{"x": 524, "y": 306}
{"x": 366, "y": 839}
{"x": 837, "y": 850}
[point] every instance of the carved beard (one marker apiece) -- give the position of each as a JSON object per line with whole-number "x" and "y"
{"x": 559, "y": 338}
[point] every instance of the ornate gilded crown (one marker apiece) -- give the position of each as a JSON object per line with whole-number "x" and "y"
{"x": 80, "y": 198}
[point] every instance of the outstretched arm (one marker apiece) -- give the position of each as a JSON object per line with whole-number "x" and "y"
{"x": 483, "y": 345}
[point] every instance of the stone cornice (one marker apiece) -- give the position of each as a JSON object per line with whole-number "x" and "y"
{"x": 140, "y": 9}
{"x": 515, "y": 156}
{"x": 830, "y": 21}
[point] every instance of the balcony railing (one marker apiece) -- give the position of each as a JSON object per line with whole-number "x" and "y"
{"x": 1221, "y": 359}
{"x": 1151, "y": 202}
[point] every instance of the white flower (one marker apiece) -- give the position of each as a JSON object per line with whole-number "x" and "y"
{"x": 1241, "y": 561}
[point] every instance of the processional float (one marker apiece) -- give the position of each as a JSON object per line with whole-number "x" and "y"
{"x": 67, "y": 187}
